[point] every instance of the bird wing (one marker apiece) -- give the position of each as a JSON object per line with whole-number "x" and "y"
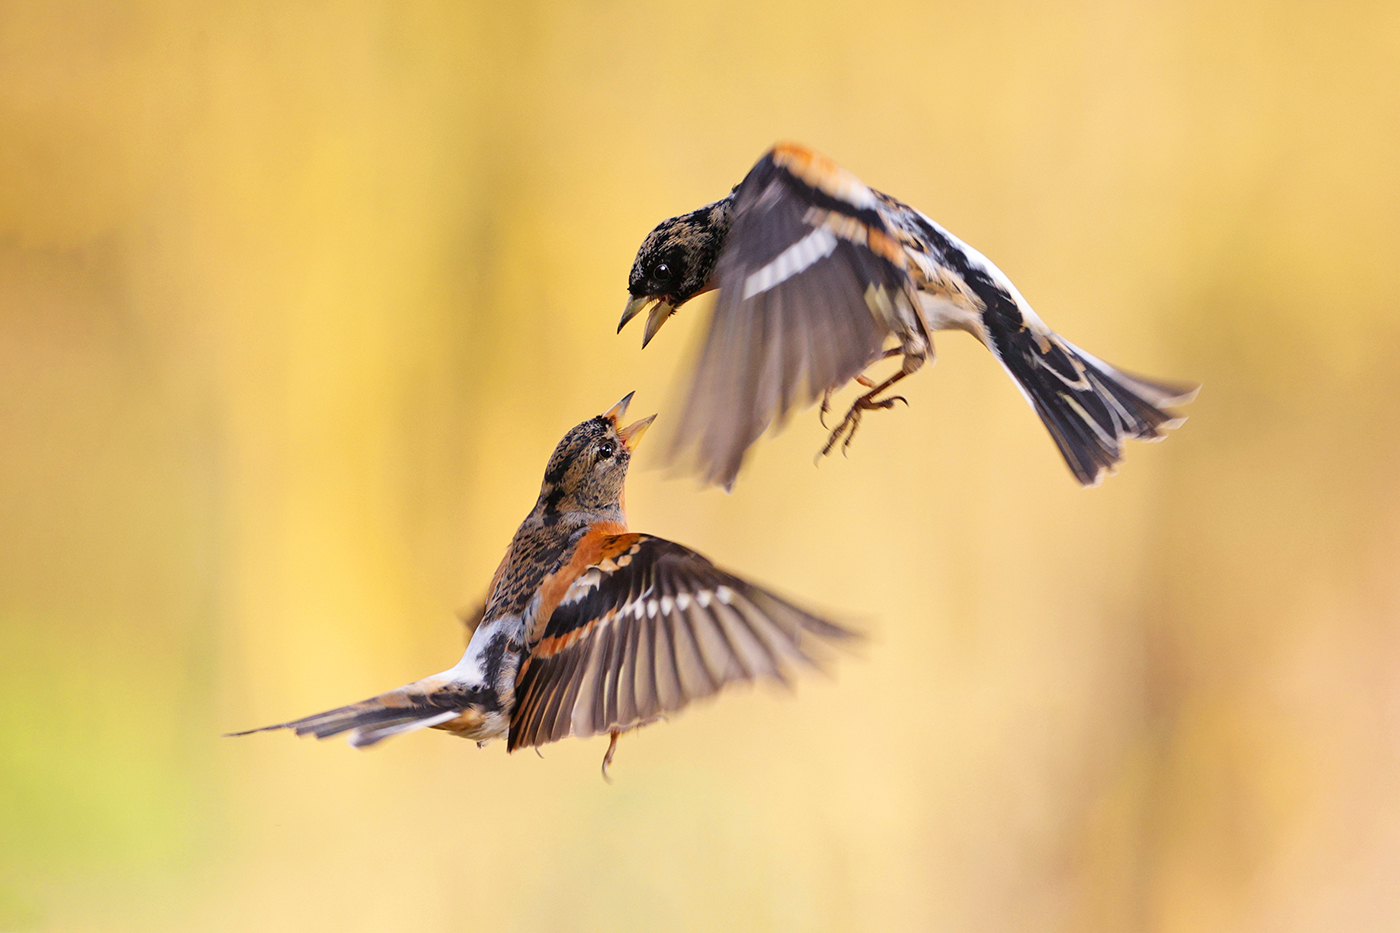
{"x": 811, "y": 282}
{"x": 645, "y": 630}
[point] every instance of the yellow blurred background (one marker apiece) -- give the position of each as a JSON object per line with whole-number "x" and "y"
{"x": 296, "y": 299}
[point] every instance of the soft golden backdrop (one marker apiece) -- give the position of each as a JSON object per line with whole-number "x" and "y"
{"x": 296, "y": 298}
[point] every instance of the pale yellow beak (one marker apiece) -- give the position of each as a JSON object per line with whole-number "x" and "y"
{"x": 660, "y": 311}
{"x": 634, "y": 307}
{"x": 632, "y": 434}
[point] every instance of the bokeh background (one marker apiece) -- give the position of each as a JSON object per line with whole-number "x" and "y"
{"x": 296, "y": 298}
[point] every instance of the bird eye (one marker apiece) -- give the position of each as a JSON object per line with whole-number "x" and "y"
{"x": 605, "y": 450}
{"x": 662, "y": 272}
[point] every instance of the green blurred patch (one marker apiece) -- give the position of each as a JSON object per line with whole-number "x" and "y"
{"x": 102, "y": 772}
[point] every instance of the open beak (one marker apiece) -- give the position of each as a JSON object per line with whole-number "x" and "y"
{"x": 632, "y": 434}
{"x": 634, "y": 307}
{"x": 660, "y": 311}
{"x": 616, "y": 413}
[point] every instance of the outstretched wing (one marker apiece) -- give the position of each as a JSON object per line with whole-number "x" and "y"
{"x": 811, "y": 282}
{"x": 647, "y": 630}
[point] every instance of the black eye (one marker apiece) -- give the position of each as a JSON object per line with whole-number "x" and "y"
{"x": 662, "y": 272}
{"x": 605, "y": 450}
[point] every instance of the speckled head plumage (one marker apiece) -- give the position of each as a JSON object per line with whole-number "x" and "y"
{"x": 588, "y": 469}
{"x": 675, "y": 263}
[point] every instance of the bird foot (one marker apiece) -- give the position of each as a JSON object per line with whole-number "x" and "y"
{"x": 851, "y": 422}
{"x": 607, "y": 759}
{"x": 866, "y": 402}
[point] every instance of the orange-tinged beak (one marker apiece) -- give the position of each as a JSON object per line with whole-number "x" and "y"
{"x": 632, "y": 434}
{"x": 615, "y": 413}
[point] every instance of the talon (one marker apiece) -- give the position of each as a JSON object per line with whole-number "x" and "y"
{"x": 867, "y": 402}
{"x": 850, "y": 437}
{"x": 607, "y": 759}
{"x": 847, "y": 427}
{"x": 832, "y": 439}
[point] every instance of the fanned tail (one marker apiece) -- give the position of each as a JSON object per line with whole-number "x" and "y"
{"x": 1088, "y": 406}
{"x": 415, "y": 706}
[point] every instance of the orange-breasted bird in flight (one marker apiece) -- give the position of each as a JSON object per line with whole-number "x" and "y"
{"x": 588, "y": 628}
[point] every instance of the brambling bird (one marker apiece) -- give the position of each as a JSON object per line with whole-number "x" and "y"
{"x": 589, "y": 628}
{"x": 816, "y": 273}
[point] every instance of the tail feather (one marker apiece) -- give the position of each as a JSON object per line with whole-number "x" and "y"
{"x": 415, "y": 706}
{"x": 1088, "y": 406}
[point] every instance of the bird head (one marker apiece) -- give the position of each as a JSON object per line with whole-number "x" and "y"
{"x": 675, "y": 263}
{"x": 587, "y": 471}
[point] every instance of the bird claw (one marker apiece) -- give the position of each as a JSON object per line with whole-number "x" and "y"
{"x": 851, "y": 422}
{"x": 607, "y": 759}
{"x": 867, "y": 402}
{"x": 847, "y": 427}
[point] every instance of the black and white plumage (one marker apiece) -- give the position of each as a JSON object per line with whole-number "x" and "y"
{"x": 819, "y": 277}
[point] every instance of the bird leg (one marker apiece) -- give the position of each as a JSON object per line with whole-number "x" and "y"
{"x": 867, "y": 402}
{"x": 612, "y": 747}
{"x": 860, "y": 380}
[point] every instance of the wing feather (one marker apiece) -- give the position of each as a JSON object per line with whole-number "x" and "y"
{"x": 646, "y": 636}
{"x": 627, "y": 675}
{"x": 670, "y": 696}
{"x": 645, "y": 693}
{"x": 794, "y": 316}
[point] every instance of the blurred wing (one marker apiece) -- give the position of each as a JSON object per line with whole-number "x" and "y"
{"x": 809, "y": 280}
{"x": 646, "y": 631}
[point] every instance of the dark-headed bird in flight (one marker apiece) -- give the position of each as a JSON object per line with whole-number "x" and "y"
{"x": 820, "y": 277}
